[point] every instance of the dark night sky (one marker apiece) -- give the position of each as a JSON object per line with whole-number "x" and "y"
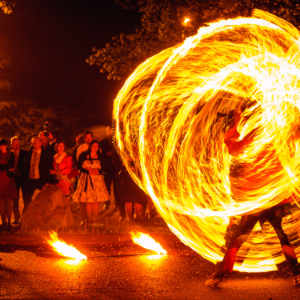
{"x": 49, "y": 40}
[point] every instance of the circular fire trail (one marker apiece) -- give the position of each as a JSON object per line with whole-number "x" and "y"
{"x": 171, "y": 117}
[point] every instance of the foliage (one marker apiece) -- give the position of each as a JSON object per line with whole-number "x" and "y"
{"x": 27, "y": 121}
{"x": 7, "y": 5}
{"x": 162, "y": 26}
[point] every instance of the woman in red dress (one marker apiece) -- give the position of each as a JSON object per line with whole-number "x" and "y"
{"x": 62, "y": 166}
{"x": 8, "y": 190}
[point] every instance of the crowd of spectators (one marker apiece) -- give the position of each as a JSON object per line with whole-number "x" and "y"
{"x": 85, "y": 174}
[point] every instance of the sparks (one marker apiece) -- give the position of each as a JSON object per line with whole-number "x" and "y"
{"x": 147, "y": 242}
{"x": 62, "y": 248}
{"x": 171, "y": 116}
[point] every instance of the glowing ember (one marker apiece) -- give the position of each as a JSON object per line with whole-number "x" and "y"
{"x": 186, "y": 20}
{"x": 62, "y": 248}
{"x": 147, "y": 242}
{"x": 170, "y": 121}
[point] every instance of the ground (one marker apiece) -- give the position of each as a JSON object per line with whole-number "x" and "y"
{"x": 118, "y": 270}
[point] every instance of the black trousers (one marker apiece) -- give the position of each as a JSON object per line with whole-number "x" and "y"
{"x": 274, "y": 216}
{"x": 29, "y": 188}
{"x": 108, "y": 179}
{"x": 16, "y": 203}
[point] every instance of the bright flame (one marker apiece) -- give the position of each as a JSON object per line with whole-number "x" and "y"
{"x": 185, "y": 22}
{"x": 168, "y": 123}
{"x": 147, "y": 242}
{"x": 62, "y": 248}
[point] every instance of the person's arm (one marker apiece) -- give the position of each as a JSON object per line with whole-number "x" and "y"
{"x": 68, "y": 167}
{"x": 11, "y": 161}
{"x": 81, "y": 160}
{"x": 237, "y": 146}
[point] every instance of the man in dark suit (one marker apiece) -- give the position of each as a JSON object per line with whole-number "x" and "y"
{"x": 19, "y": 171}
{"x": 38, "y": 165}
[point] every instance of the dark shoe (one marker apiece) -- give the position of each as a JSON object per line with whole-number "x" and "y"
{"x": 15, "y": 222}
{"x": 8, "y": 228}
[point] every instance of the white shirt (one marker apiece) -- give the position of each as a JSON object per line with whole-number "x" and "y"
{"x": 80, "y": 149}
{"x": 36, "y": 172}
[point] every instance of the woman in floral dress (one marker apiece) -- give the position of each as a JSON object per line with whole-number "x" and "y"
{"x": 91, "y": 187}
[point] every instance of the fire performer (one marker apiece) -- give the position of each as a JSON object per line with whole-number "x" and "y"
{"x": 273, "y": 215}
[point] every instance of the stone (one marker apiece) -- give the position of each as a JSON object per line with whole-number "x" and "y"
{"x": 48, "y": 210}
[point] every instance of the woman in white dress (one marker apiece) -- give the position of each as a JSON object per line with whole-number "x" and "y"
{"x": 91, "y": 187}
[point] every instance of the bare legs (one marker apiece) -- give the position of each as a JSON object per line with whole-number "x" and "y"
{"x": 2, "y": 211}
{"x": 138, "y": 210}
{"x": 92, "y": 210}
{"x": 6, "y": 207}
{"x": 9, "y": 209}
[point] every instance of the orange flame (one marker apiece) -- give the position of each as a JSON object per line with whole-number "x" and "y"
{"x": 62, "y": 248}
{"x": 168, "y": 123}
{"x": 147, "y": 242}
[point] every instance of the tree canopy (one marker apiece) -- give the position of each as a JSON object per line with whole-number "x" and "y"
{"x": 162, "y": 26}
{"x": 7, "y": 5}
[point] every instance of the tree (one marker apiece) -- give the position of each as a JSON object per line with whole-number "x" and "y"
{"x": 7, "y": 5}
{"x": 28, "y": 118}
{"x": 5, "y": 61}
{"x": 162, "y": 27}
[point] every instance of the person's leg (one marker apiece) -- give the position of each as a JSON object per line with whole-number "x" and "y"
{"x": 8, "y": 210}
{"x": 16, "y": 209}
{"x": 226, "y": 266}
{"x": 139, "y": 209}
{"x": 275, "y": 220}
{"x": 89, "y": 212}
{"x": 33, "y": 184}
{"x": 108, "y": 181}
{"x": 129, "y": 212}
{"x": 243, "y": 232}
{"x": 118, "y": 200}
{"x": 95, "y": 210}
{"x": 2, "y": 211}
{"x": 83, "y": 213}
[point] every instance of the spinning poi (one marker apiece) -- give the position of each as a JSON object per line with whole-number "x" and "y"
{"x": 171, "y": 117}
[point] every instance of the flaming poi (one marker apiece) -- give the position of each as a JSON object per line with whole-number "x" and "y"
{"x": 170, "y": 118}
{"x": 62, "y": 248}
{"x": 146, "y": 241}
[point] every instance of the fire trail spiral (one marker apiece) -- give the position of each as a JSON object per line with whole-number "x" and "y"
{"x": 171, "y": 117}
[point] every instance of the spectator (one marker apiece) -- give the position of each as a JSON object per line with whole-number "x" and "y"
{"x": 19, "y": 171}
{"x": 88, "y": 137}
{"x": 38, "y": 165}
{"x": 62, "y": 166}
{"x": 8, "y": 189}
{"x": 132, "y": 195}
{"x": 109, "y": 176}
{"x": 79, "y": 141}
{"x": 91, "y": 186}
{"x": 53, "y": 143}
{"x": 45, "y": 143}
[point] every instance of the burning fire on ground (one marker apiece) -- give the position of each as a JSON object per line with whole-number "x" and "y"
{"x": 171, "y": 116}
{"x": 147, "y": 242}
{"x": 62, "y": 248}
